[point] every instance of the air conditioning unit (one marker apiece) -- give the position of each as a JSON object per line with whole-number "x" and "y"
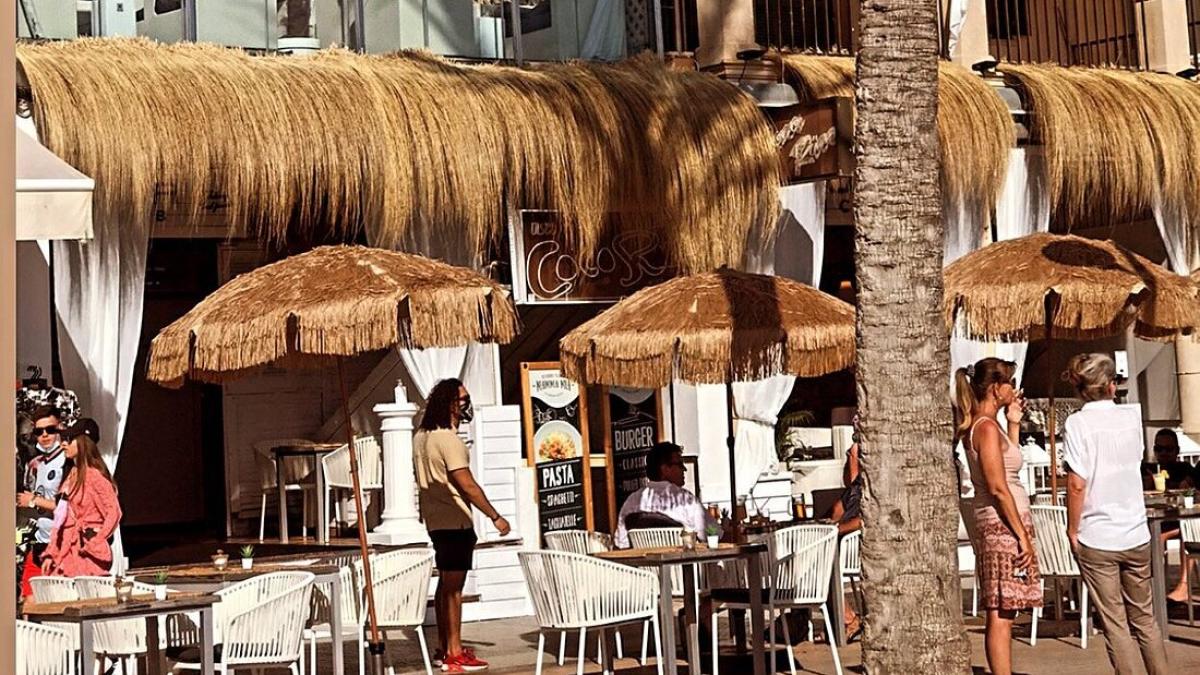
{"x": 55, "y": 19}
{"x": 249, "y": 24}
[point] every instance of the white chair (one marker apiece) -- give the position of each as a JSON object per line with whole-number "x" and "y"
{"x": 966, "y": 549}
{"x": 57, "y": 589}
{"x": 586, "y": 542}
{"x": 1189, "y": 538}
{"x": 297, "y": 477}
{"x": 260, "y": 622}
{"x": 321, "y": 627}
{"x": 1055, "y": 560}
{"x": 336, "y": 468}
{"x": 802, "y": 560}
{"x": 850, "y": 564}
{"x": 400, "y": 580}
{"x": 571, "y": 591}
{"x": 43, "y": 650}
{"x": 122, "y": 640}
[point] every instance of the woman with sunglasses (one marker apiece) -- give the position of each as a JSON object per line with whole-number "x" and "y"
{"x": 88, "y": 511}
{"x": 1006, "y": 563}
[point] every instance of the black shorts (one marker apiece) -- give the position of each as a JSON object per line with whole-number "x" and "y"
{"x": 453, "y": 550}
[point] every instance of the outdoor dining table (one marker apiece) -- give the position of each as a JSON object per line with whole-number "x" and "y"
{"x": 664, "y": 558}
{"x": 315, "y": 451}
{"x": 208, "y": 578}
{"x": 87, "y": 613}
{"x": 1155, "y": 515}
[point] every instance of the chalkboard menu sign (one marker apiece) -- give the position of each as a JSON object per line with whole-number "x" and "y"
{"x": 633, "y": 424}
{"x": 555, "y": 415}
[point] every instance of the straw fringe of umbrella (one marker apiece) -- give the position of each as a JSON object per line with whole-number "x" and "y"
{"x": 1115, "y": 141}
{"x": 1099, "y": 288}
{"x": 332, "y": 301}
{"x": 736, "y": 327}
{"x": 408, "y": 145}
{"x": 974, "y": 124}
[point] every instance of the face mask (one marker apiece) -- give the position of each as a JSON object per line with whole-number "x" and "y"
{"x": 50, "y": 450}
{"x": 466, "y": 413}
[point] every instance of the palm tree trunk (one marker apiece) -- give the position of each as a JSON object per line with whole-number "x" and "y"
{"x": 910, "y": 509}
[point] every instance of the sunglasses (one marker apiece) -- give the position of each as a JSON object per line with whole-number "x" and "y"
{"x": 1166, "y": 448}
{"x": 38, "y": 431}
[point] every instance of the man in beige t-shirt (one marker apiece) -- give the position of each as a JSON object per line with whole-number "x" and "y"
{"x": 442, "y": 464}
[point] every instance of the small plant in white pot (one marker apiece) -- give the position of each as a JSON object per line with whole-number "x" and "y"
{"x": 247, "y": 557}
{"x": 160, "y": 585}
{"x": 1189, "y": 498}
{"x": 713, "y": 535}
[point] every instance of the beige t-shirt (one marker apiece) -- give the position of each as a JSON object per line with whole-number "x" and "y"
{"x": 435, "y": 454}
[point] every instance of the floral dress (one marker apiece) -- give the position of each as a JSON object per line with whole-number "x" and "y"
{"x": 1000, "y": 587}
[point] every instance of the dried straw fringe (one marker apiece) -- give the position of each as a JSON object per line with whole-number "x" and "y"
{"x": 1116, "y": 142}
{"x": 409, "y": 146}
{"x": 974, "y": 124}
{"x": 332, "y": 301}
{"x": 711, "y": 328}
{"x": 1102, "y": 288}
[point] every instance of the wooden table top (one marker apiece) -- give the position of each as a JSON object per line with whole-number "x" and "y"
{"x": 234, "y": 572}
{"x": 1171, "y": 512}
{"x": 100, "y": 608}
{"x": 306, "y": 450}
{"x": 668, "y": 555}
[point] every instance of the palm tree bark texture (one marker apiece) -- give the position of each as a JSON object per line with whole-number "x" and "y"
{"x": 910, "y": 508}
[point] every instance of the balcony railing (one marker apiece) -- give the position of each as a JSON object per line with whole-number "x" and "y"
{"x": 1068, "y": 32}
{"x": 819, "y": 26}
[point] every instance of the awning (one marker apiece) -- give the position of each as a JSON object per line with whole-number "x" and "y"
{"x": 54, "y": 200}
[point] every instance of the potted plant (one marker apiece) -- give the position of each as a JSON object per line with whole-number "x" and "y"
{"x": 220, "y": 560}
{"x": 160, "y": 585}
{"x": 1189, "y": 498}
{"x": 247, "y": 557}
{"x": 713, "y": 535}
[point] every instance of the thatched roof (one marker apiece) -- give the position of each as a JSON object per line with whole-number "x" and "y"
{"x": 1000, "y": 291}
{"x": 330, "y": 301}
{"x": 409, "y": 145}
{"x": 712, "y": 328}
{"x": 974, "y": 124}
{"x": 1114, "y": 139}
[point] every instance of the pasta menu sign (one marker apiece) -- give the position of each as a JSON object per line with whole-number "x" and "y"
{"x": 555, "y": 417}
{"x": 633, "y": 424}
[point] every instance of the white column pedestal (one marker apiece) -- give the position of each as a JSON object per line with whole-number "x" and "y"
{"x": 401, "y": 524}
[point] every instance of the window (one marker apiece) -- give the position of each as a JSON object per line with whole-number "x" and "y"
{"x": 1007, "y": 19}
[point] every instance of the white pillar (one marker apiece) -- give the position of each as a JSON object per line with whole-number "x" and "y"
{"x": 400, "y": 517}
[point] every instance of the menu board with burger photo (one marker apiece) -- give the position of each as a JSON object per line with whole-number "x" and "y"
{"x": 555, "y": 416}
{"x": 633, "y": 424}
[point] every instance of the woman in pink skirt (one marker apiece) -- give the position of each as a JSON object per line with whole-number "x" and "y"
{"x": 1004, "y": 556}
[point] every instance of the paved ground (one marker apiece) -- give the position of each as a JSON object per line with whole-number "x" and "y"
{"x": 510, "y": 645}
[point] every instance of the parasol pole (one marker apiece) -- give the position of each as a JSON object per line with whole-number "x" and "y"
{"x": 375, "y": 644}
{"x": 729, "y": 443}
{"x": 1052, "y": 417}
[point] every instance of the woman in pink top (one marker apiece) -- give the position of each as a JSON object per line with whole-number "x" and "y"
{"x": 87, "y": 512}
{"x": 1006, "y": 564}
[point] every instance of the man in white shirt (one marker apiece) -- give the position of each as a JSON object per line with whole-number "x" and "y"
{"x": 664, "y": 494}
{"x": 1106, "y": 516}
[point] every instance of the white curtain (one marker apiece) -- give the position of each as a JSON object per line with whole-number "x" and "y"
{"x": 957, "y": 17}
{"x": 429, "y": 366}
{"x": 755, "y": 409}
{"x": 1022, "y": 209}
{"x": 98, "y": 291}
{"x": 605, "y": 39}
{"x": 1175, "y": 228}
{"x": 797, "y": 251}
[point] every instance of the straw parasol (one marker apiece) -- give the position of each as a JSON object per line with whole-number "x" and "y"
{"x": 1047, "y": 286}
{"x": 321, "y": 306}
{"x": 711, "y": 328}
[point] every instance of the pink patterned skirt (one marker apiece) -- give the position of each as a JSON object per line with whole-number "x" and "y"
{"x": 994, "y": 554}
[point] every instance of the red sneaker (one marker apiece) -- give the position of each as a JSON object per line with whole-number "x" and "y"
{"x": 465, "y": 662}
